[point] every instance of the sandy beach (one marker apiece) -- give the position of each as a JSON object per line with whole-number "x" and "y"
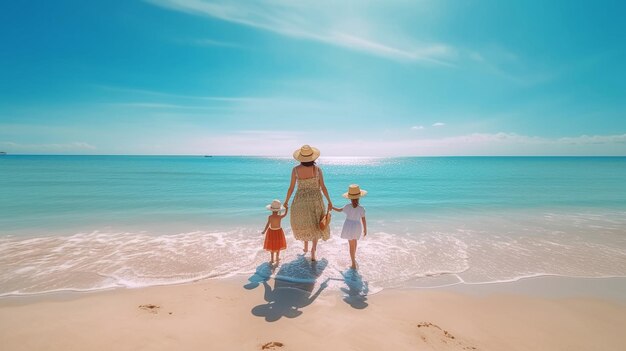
{"x": 192, "y": 175}
{"x": 236, "y": 314}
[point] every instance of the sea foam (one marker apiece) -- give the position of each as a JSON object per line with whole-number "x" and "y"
{"x": 471, "y": 250}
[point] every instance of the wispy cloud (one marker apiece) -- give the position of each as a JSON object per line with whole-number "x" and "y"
{"x": 438, "y": 124}
{"x": 510, "y": 66}
{"x": 270, "y": 105}
{"x": 311, "y": 20}
{"x": 249, "y": 142}
{"x": 417, "y": 127}
{"x": 281, "y": 143}
{"x": 594, "y": 140}
{"x": 431, "y": 53}
{"x": 73, "y": 147}
{"x": 484, "y": 144}
{"x": 213, "y": 42}
{"x": 160, "y": 106}
{"x": 162, "y": 94}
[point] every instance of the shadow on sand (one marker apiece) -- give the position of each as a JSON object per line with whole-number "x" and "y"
{"x": 262, "y": 274}
{"x": 356, "y": 290}
{"x": 293, "y": 288}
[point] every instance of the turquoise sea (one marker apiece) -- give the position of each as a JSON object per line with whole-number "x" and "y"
{"x": 95, "y": 222}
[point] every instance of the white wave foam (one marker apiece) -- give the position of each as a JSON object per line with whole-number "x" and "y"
{"x": 398, "y": 254}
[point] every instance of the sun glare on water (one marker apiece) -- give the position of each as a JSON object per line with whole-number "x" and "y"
{"x": 350, "y": 161}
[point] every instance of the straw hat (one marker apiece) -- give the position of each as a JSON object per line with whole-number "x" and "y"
{"x": 306, "y": 154}
{"x": 275, "y": 206}
{"x": 354, "y": 192}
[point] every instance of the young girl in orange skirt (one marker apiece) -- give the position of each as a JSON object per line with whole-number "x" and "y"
{"x": 274, "y": 235}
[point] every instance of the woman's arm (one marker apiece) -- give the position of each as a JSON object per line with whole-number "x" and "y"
{"x": 364, "y": 226}
{"x": 322, "y": 286}
{"x": 291, "y": 186}
{"x": 324, "y": 190}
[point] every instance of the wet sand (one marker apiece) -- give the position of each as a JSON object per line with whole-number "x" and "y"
{"x": 236, "y": 314}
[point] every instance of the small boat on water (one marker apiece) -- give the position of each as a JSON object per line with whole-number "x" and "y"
{"x": 208, "y": 156}
{"x": 2, "y": 153}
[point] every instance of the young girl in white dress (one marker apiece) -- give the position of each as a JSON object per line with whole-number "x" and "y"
{"x": 355, "y": 219}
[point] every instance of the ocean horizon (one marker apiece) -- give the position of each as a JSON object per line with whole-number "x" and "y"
{"x": 92, "y": 222}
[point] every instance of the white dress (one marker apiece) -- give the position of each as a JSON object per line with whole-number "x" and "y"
{"x": 352, "y": 227}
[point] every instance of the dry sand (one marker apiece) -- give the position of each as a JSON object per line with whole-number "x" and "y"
{"x": 223, "y": 315}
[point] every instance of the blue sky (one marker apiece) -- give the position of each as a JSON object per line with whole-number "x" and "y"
{"x": 363, "y": 78}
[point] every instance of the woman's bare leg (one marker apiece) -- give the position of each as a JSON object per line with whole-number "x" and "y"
{"x": 306, "y": 247}
{"x": 353, "y": 252}
{"x": 313, "y": 250}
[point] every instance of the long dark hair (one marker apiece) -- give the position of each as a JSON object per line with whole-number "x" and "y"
{"x": 355, "y": 202}
{"x": 308, "y": 164}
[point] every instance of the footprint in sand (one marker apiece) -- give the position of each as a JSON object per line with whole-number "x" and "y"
{"x": 272, "y": 345}
{"x": 150, "y": 308}
{"x": 440, "y": 339}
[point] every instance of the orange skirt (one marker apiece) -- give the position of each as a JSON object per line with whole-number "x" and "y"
{"x": 275, "y": 240}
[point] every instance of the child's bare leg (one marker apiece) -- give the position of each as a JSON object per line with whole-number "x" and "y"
{"x": 271, "y": 256}
{"x": 306, "y": 247}
{"x": 277, "y": 256}
{"x": 313, "y": 250}
{"x": 352, "y": 253}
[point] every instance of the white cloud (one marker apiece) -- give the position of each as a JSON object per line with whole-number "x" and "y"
{"x": 271, "y": 143}
{"x": 161, "y": 94}
{"x": 331, "y": 24}
{"x": 476, "y": 56}
{"x": 250, "y": 142}
{"x": 489, "y": 144}
{"x": 594, "y": 140}
{"x": 431, "y": 53}
{"x": 417, "y": 127}
{"x": 157, "y": 105}
{"x": 438, "y": 124}
{"x": 213, "y": 42}
{"x": 73, "y": 147}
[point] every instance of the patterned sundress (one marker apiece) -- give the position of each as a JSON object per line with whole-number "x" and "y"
{"x": 307, "y": 209}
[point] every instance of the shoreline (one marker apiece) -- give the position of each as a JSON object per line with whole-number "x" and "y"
{"x": 240, "y": 314}
{"x": 409, "y": 253}
{"x": 542, "y": 285}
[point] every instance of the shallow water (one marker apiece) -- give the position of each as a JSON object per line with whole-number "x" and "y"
{"x": 95, "y": 222}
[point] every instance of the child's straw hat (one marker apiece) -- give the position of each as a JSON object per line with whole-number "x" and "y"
{"x": 354, "y": 192}
{"x": 306, "y": 153}
{"x": 275, "y": 206}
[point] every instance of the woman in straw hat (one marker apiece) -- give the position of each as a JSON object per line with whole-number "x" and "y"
{"x": 308, "y": 207}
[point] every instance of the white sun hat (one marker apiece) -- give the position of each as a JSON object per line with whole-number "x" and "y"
{"x": 275, "y": 206}
{"x": 354, "y": 192}
{"x": 306, "y": 153}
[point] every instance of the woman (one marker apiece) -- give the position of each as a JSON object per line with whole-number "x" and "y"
{"x": 308, "y": 207}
